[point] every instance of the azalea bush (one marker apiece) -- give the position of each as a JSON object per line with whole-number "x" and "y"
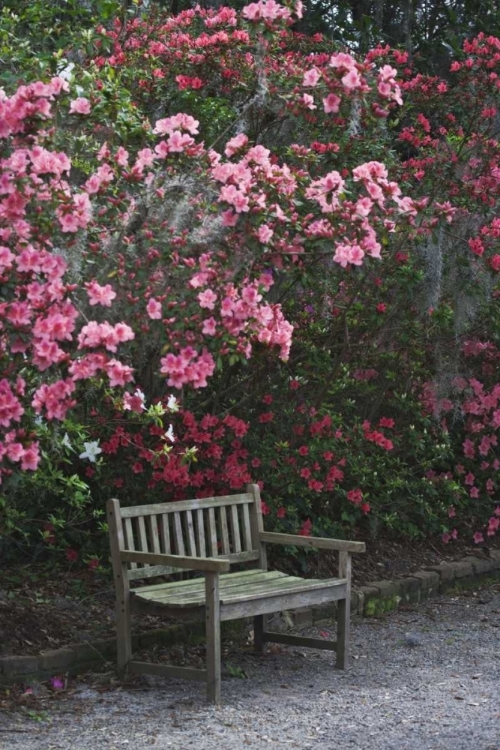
{"x": 246, "y": 277}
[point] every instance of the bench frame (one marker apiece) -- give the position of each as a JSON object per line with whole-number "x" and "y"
{"x": 185, "y": 526}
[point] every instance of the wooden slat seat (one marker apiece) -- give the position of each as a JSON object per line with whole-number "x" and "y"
{"x": 234, "y": 588}
{"x": 207, "y": 537}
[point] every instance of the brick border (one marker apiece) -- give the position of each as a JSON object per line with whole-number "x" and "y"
{"x": 78, "y": 657}
{"x": 375, "y": 598}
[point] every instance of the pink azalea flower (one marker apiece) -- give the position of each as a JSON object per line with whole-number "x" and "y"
{"x": 79, "y": 106}
{"x": 207, "y": 299}
{"x": 154, "y": 309}
{"x": 311, "y": 77}
{"x": 100, "y": 295}
{"x": 209, "y": 327}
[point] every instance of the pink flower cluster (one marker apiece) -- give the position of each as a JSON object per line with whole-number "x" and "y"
{"x": 38, "y": 315}
{"x": 342, "y": 76}
{"x": 188, "y": 367}
{"x": 266, "y": 10}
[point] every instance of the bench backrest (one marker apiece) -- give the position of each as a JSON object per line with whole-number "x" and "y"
{"x": 226, "y": 527}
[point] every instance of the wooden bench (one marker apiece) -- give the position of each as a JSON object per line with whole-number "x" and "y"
{"x": 209, "y": 536}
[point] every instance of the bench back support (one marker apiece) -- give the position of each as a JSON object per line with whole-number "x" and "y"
{"x": 226, "y": 527}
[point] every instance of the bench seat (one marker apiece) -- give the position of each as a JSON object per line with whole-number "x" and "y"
{"x": 259, "y": 588}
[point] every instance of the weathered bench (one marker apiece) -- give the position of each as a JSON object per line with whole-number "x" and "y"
{"x": 209, "y": 536}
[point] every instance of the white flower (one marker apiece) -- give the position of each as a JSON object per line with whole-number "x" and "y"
{"x": 140, "y": 395}
{"x": 172, "y": 404}
{"x": 66, "y": 441}
{"x": 91, "y": 451}
{"x": 169, "y": 435}
{"x": 66, "y": 73}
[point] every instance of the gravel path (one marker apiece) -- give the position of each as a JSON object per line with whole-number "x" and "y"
{"x": 426, "y": 679}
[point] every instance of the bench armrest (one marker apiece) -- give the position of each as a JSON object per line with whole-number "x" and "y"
{"x": 310, "y": 541}
{"x": 201, "y": 564}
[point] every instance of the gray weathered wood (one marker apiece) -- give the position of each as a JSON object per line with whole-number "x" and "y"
{"x": 226, "y": 579}
{"x": 154, "y": 534}
{"x": 129, "y": 537}
{"x": 122, "y": 605}
{"x": 313, "y": 542}
{"x": 235, "y": 528}
{"x": 165, "y": 527}
{"x": 181, "y": 505}
{"x": 190, "y": 563}
{"x": 257, "y": 524}
{"x": 193, "y": 591}
{"x": 299, "y": 640}
{"x": 143, "y": 542}
{"x": 178, "y": 535}
{"x": 138, "y": 574}
{"x": 212, "y": 627}
{"x": 239, "y": 557}
{"x": 344, "y": 613}
{"x": 224, "y": 530}
{"x": 239, "y": 593}
{"x": 212, "y": 532}
{"x": 247, "y": 529}
{"x": 168, "y": 670}
{"x": 200, "y": 535}
{"x": 162, "y": 570}
{"x": 266, "y": 605}
{"x": 191, "y": 544}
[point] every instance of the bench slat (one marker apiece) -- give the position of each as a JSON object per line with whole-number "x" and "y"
{"x": 190, "y": 534}
{"x": 178, "y": 536}
{"x": 168, "y": 670}
{"x": 153, "y": 533}
{"x": 299, "y": 640}
{"x": 212, "y": 530}
{"x": 162, "y": 570}
{"x": 342, "y": 545}
{"x": 129, "y": 538}
{"x": 224, "y": 530}
{"x": 243, "y": 592}
{"x": 235, "y": 528}
{"x": 269, "y": 604}
{"x": 194, "y": 582}
{"x": 195, "y": 589}
{"x": 181, "y": 505}
{"x": 143, "y": 542}
{"x": 167, "y": 549}
{"x": 201, "y": 564}
{"x": 247, "y": 529}
{"x": 202, "y": 550}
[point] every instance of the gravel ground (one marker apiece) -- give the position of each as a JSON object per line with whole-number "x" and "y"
{"x": 423, "y": 679}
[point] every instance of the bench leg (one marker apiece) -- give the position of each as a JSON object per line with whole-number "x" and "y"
{"x": 212, "y": 628}
{"x": 123, "y": 636}
{"x": 343, "y": 633}
{"x": 259, "y": 626}
{"x": 344, "y": 621}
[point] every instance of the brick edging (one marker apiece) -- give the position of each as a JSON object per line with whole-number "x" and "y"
{"x": 79, "y": 657}
{"x": 377, "y": 597}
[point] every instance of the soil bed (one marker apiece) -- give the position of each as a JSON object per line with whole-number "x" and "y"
{"x": 45, "y": 607}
